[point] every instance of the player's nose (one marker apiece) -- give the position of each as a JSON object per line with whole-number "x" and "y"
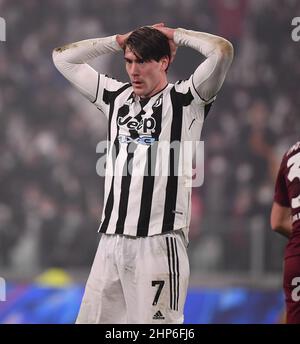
{"x": 134, "y": 69}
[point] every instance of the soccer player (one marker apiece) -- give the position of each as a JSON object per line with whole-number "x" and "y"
{"x": 285, "y": 219}
{"x": 141, "y": 270}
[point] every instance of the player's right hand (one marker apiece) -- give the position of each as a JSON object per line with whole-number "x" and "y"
{"x": 121, "y": 39}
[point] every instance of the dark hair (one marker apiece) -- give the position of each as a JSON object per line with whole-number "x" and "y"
{"x": 148, "y": 44}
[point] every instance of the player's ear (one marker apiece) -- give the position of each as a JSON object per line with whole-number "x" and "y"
{"x": 165, "y": 61}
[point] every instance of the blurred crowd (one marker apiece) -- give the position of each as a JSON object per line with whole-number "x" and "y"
{"x": 50, "y": 193}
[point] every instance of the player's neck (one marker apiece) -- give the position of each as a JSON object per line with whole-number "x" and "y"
{"x": 156, "y": 90}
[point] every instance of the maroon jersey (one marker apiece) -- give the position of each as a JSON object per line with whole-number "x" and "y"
{"x": 292, "y": 289}
{"x": 287, "y": 194}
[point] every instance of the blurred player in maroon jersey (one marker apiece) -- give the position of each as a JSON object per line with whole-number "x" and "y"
{"x": 285, "y": 219}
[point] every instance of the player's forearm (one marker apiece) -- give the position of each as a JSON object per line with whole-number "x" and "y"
{"x": 71, "y": 60}
{"x": 282, "y": 225}
{"x": 285, "y": 229}
{"x": 207, "y": 44}
{"x": 83, "y": 51}
{"x": 209, "y": 76}
{"x": 281, "y": 221}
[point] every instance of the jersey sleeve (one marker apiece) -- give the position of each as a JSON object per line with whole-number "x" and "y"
{"x": 105, "y": 84}
{"x": 281, "y": 192}
{"x": 72, "y": 62}
{"x": 210, "y": 74}
{"x": 198, "y": 107}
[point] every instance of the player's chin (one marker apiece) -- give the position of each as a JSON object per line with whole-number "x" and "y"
{"x": 139, "y": 91}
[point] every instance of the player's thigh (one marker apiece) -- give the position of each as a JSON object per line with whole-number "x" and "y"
{"x": 162, "y": 275}
{"x": 103, "y": 299}
{"x": 291, "y": 284}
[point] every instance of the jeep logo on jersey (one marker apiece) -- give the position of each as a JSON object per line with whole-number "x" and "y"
{"x": 146, "y": 125}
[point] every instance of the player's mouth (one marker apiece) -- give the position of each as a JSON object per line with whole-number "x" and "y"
{"x": 137, "y": 83}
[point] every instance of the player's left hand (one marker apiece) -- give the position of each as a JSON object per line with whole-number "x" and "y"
{"x": 170, "y": 34}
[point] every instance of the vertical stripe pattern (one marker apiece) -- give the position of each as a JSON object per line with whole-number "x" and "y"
{"x": 125, "y": 185}
{"x": 148, "y": 202}
{"x": 173, "y": 262}
{"x": 109, "y": 99}
{"x": 178, "y": 102}
{"x": 149, "y": 178}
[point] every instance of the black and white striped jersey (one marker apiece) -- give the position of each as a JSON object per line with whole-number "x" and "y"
{"x": 148, "y": 171}
{"x": 149, "y": 165}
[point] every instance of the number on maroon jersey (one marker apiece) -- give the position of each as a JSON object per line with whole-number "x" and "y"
{"x": 296, "y": 291}
{"x": 294, "y": 172}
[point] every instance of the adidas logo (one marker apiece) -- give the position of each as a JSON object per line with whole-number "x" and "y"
{"x": 158, "y": 316}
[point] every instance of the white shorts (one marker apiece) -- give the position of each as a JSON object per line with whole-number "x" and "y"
{"x": 137, "y": 280}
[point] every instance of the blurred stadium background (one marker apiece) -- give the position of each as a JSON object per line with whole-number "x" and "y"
{"x": 51, "y": 196}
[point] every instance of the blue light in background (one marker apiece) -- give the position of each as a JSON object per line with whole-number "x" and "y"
{"x": 35, "y": 304}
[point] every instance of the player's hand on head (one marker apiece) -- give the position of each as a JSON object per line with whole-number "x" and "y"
{"x": 158, "y": 25}
{"x": 165, "y": 30}
{"x": 121, "y": 39}
{"x": 170, "y": 34}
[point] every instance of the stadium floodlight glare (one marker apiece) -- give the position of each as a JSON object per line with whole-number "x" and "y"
{"x": 2, "y": 29}
{"x": 2, "y": 289}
